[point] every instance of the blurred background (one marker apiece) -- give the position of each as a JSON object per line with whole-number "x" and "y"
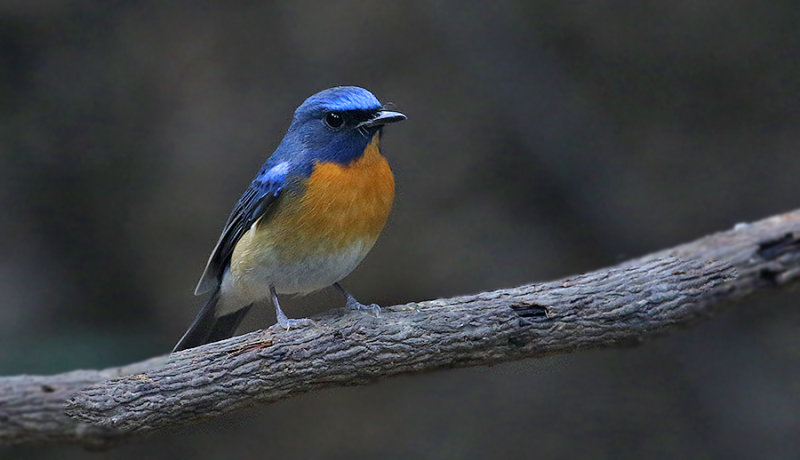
{"x": 544, "y": 139}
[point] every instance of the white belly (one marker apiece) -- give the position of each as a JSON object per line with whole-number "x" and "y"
{"x": 298, "y": 277}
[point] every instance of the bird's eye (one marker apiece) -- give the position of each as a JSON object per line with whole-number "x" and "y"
{"x": 334, "y": 120}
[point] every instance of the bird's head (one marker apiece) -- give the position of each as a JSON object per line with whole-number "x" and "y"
{"x": 337, "y": 124}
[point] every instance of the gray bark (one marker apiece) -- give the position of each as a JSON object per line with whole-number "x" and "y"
{"x": 620, "y": 305}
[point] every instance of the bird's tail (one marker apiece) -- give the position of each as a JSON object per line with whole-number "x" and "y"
{"x": 207, "y": 327}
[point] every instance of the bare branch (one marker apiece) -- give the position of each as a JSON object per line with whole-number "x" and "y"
{"x": 622, "y": 304}
{"x": 32, "y": 406}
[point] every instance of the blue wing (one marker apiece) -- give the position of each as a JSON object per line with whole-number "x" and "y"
{"x": 254, "y": 204}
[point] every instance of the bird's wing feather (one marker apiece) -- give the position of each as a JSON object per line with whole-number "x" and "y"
{"x": 254, "y": 204}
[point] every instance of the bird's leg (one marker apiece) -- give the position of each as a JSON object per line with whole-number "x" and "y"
{"x": 351, "y": 302}
{"x": 283, "y": 321}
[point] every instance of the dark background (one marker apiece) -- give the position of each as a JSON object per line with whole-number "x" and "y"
{"x": 544, "y": 139}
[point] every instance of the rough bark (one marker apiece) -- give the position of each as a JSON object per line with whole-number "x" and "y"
{"x": 623, "y": 304}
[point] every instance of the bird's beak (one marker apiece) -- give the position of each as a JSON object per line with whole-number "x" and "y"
{"x": 383, "y": 117}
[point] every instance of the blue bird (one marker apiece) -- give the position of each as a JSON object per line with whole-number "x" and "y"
{"x": 310, "y": 216}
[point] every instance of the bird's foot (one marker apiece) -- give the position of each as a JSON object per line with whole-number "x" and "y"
{"x": 351, "y": 302}
{"x": 288, "y": 323}
{"x": 373, "y": 309}
{"x": 283, "y": 321}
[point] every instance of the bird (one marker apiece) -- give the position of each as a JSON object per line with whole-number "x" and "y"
{"x": 308, "y": 218}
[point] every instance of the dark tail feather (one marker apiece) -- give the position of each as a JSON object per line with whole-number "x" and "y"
{"x": 207, "y": 327}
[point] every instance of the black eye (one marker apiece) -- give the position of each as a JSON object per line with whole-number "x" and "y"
{"x": 334, "y": 120}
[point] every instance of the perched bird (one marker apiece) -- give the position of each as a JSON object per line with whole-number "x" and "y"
{"x": 309, "y": 217}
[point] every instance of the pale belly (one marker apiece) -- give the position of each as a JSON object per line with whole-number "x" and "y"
{"x": 300, "y": 274}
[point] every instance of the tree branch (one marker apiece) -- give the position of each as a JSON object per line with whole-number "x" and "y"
{"x": 622, "y": 304}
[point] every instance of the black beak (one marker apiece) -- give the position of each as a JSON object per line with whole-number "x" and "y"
{"x": 383, "y": 117}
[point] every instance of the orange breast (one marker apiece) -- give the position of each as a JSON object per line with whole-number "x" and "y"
{"x": 343, "y": 204}
{"x": 341, "y": 213}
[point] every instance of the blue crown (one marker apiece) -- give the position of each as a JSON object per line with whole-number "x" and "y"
{"x": 339, "y": 99}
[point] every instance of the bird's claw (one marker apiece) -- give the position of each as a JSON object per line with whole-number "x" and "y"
{"x": 288, "y": 323}
{"x": 373, "y": 309}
